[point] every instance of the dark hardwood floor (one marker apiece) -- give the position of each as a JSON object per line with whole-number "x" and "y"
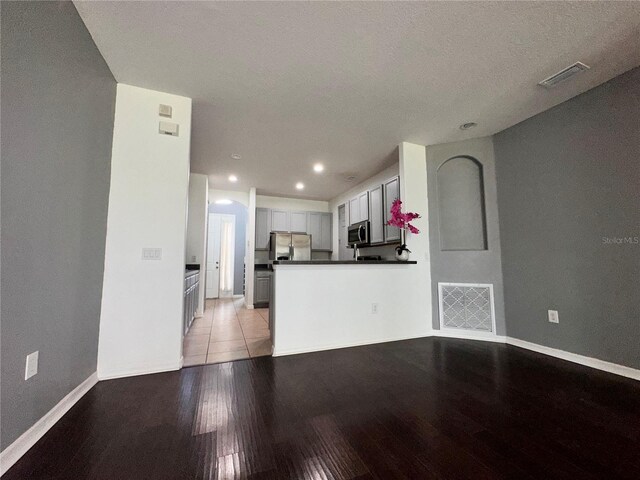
{"x": 418, "y": 409}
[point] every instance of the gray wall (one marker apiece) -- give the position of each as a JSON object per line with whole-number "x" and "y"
{"x": 465, "y": 266}
{"x": 240, "y": 212}
{"x": 568, "y": 179}
{"x": 58, "y": 99}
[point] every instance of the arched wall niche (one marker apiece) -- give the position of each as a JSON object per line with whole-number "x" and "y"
{"x": 461, "y": 204}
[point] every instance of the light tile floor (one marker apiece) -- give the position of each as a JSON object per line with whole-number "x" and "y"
{"x": 227, "y": 331}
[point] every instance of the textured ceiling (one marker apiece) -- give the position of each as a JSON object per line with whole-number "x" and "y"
{"x": 288, "y": 84}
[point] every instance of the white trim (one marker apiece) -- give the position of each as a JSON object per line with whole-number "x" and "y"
{"x": 576, "y": 358}
{"x": 469, "y": 335}
{"x": 344, "y": 345}
{"x": 170, "y": 367}
{"x": 455, "y": 331}
{"x": 28, "y": 439}
{"x": 552, "y": 352}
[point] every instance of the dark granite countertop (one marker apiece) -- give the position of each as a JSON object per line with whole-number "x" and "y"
{"x": 343, "y": 262}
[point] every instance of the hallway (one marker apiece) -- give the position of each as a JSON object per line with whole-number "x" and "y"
{"x": 227, "y": 331}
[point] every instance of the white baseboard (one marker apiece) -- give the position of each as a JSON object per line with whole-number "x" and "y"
{"x": 28, "y": 439}
{"x": 552, "y": 352}
{"x": 345, "y": 345}
{"x": 134, "y": 372}
{"x": 576, "y": 358}
{"x": 469, "y": 335}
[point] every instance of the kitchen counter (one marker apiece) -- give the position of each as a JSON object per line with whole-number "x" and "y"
{"x": 343, "y": 262}
{"x": 320, "y": 305}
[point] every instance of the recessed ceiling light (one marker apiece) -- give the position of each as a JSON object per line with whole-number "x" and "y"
{"x": 223, "y": 201}
{"x": 300, "y": 186}
{"x": 318, "y": 168}
{"x": 236, "y": 156}
{"x": 467, "y": 126}
{"x": 233, "y": 178}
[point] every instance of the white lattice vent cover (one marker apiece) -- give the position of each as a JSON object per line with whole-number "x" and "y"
{"x": 466, "y": 306}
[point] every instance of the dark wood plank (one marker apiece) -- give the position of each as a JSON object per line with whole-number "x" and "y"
{"x": 420, "y": 409}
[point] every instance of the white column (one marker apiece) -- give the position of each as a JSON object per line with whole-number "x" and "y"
{"x": 413, "y": 192}
{"x": 141, "y": 317}
{"x": 251, "y": 250}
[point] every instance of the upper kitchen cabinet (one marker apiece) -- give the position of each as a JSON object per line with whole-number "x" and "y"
{"x": 359, "y": 208}
{"x": 391, "y": 193}
{"x": 376, "y": 214}
{"x": 363, "y": 199}
{"x": 320, "y": 227}
{"x": 354, "y": 211}
{"x": 280, "y": 221}
{"x": 318, "y": 224}
{"x": 263, "y": 228}
{"x": 298, "y": 222}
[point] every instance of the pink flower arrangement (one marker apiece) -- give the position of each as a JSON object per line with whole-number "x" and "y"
{"x": 402, "y": 220}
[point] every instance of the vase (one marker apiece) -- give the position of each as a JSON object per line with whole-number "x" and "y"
{"x": 402, "y": 252}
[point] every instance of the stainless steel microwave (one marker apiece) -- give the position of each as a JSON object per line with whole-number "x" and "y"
{"x": 358, "y": 234}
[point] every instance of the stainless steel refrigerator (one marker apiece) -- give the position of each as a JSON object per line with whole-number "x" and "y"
{"x": 289, "y": 246}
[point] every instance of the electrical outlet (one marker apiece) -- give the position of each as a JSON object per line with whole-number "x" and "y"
{"x": 31, "y": 367}
{"x": 193, "y": 258}
{"x": 553, "y": 316}
{"x": 374, "y": 308}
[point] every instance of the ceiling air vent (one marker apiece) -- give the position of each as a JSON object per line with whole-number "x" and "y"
{"x": 564, "y": 74}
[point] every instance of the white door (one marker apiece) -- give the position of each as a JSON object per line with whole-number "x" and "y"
{"x": 213, "y": 257}
{"x": 227, "y": 254}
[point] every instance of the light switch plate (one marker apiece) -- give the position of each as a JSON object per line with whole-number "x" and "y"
{"x": 151, "y": 254}
{"x": 31, "y": 366}
{"x": 553, "y": 316}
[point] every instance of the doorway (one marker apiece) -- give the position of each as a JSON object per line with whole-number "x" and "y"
{"x": 219, "y": 275}
{"x": 227, "y": 331}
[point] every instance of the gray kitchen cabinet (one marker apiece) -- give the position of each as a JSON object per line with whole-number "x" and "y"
{"x": 320, "y": 227}
{"x": 359, "y": 208}
{"x": 262, "y": 289}
{"x": 280, "y": 220}
{"x": 263, "y": 228}
{"x": 363, "y": 200}
{"x": 391, "y": 193}
{"x": 317, "y": 224}
{"x": 354, "y": 211}
{"x": 298, "y": 222}
{"x": 376, "y": 215}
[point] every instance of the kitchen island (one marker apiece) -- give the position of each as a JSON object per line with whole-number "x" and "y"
{"x": 322, "y": 304}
